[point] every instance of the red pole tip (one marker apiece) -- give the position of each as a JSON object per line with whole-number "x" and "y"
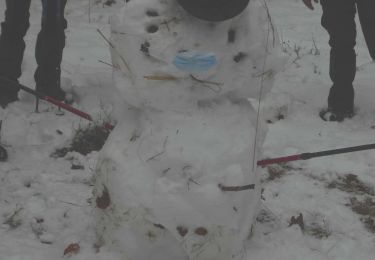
{"x": 279, "y": 160}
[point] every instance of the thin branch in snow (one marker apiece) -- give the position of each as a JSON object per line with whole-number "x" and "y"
{"x": 115, "y": 49}
{"x": 160, "y": 77}
{"x": 237, "y": 188}
{"x": 270, "y": 23}
{"x": 207, "y": 83}
{"x": 70, "y": 203}
{"x": 155, "y": 156}
{"x": 89, "y": 11}
{"x": 107, "y": 63}
{"x": 270, "y": 26}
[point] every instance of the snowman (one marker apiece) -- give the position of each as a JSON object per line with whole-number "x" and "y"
{"x": 176, "y": 179}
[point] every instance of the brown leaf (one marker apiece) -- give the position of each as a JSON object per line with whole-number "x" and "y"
{"x": 182, "y": 230}
{"x": 159, "y": 226}
{"x": 104, "y": 201}
{"x": 201, "y": 231}
{"x": 72, "y": 249}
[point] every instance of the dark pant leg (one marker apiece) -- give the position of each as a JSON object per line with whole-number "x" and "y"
{"x": 12, "y": 45}
{"x": 338, "y": 20}
{"x": 366, "y": 12}
{"x": 49, "y": 48}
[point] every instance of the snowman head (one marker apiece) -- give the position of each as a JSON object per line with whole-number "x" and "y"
{"x": 214, "y": 10}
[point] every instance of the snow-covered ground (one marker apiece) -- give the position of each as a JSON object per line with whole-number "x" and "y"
{"x": 45, "y": 205}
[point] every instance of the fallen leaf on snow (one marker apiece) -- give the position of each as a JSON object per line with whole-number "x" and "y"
{"x": 72, "y": 249}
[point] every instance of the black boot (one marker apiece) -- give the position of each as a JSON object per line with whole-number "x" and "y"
{"x": 3, "y": 154}
{"x": 5, "y": 99}
{"x": 332, "y": 115}
{"x": 8, "y": 94}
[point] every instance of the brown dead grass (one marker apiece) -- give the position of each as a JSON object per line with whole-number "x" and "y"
{"x": 351, "y": 184}
{"x": 362, "y": 201}
{"x": 85, "y": 140}
{"x": 366, "y": 209}
{"x": 278, "y": 171}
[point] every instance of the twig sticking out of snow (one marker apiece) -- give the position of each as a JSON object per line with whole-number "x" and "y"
{"x": 109, "y": 64}
{"x": 270, "y": 28}
{"x": 236, "y": 188}
{"x": 115, "y": 49}
{"x": 155, "y": 156}
{"x": 161, "y": 77}
{"x": 206, "y": 83}
{"x": 270, "y": 23}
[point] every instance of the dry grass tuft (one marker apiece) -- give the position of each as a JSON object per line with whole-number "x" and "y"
{"x": 350, "y": 183}
{"x": 86, "y": 140}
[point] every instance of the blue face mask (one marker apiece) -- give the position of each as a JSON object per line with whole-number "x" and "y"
{"x": 191, "y": 61}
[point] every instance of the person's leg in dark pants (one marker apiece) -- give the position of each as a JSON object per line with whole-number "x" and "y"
{"x": 338, "y": 20}
{"x": 366, "y": 14}
{"x": 12, "y": 45}
{"x": 49, "y": 48}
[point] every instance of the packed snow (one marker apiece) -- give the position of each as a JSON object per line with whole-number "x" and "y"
{"x": 47, "y": 205}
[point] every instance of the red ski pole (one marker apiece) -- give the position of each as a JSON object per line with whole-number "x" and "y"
{"x": 51, "y": 100}
{"x": 306, "y": 156}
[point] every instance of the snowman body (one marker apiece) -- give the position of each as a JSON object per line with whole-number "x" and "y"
{"x": 176, "y": 179}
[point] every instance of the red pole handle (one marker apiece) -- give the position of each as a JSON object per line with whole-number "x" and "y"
{"x": 68, "y": 108}
{"x": 74, "y": 110}
{"x": 279, "y": 160}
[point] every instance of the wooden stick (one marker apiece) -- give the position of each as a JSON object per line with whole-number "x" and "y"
{"x": 236, "y": 188}
{"x": 160, "y": 77}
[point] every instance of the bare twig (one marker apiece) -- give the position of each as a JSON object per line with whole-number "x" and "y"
{"x": 109, "y": 64}
{"x": 317, "y": 51}
{"x": 271, "y": 23}
{"x": 70, "y": 203}
{"x": 270, "y": 27}
{"x": 115, "y": 49}
{"x": 155, "y": 156}
{"x": 236, "y": 188}
{"x": 160, "y": 77}
{"x": 207, "y": 84}
{"x": 264, "y": 73}
{"x": 89, "y": 11}
{"x": 166, "y": 22}
{"x": 206, "y": 81}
